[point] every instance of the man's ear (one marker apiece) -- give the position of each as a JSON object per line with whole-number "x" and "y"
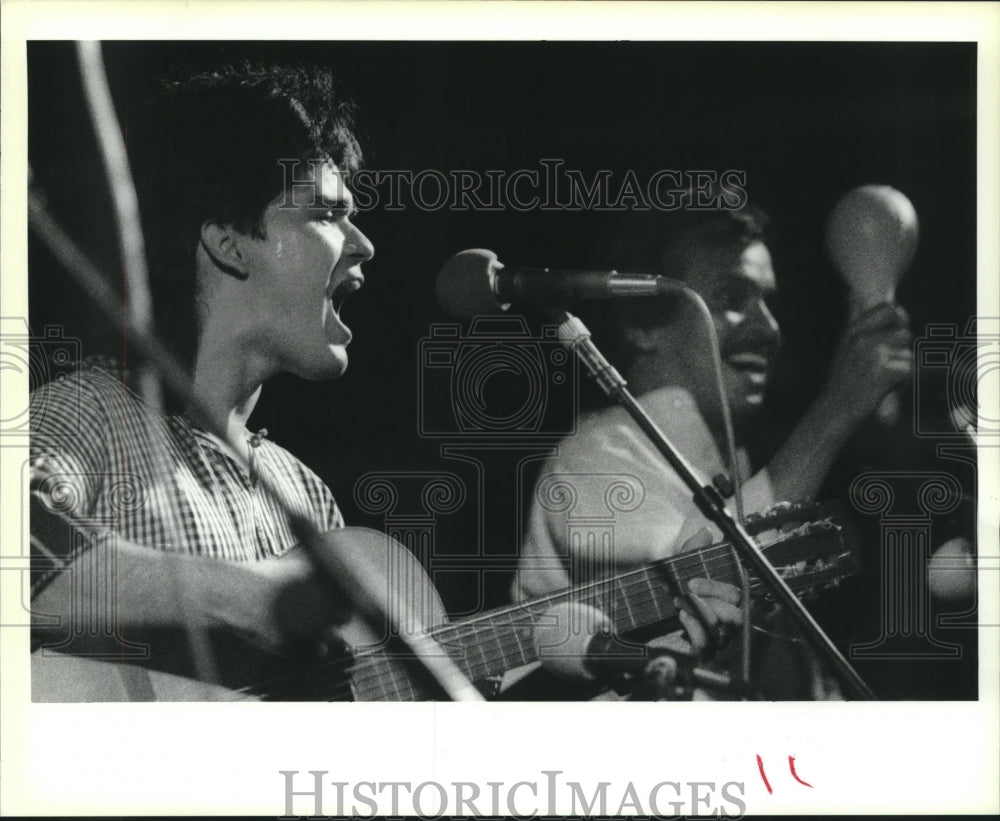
{"x": 221, "y": 243}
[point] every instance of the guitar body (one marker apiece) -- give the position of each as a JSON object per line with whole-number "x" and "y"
{"x": 62, "y": 678}
{"x": 93, "y": 665}
{"x": 392, "y": 598}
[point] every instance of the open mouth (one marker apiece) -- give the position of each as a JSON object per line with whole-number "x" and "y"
{"x": 346, "y": 289}
{"x": 751, "y": 366}
{"x": 749, "y": 362}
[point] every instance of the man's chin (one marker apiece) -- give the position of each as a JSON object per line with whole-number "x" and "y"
{"x": 332, "y": 366}
{"x": 746, "y": 407}
{"x": 338, "y": 362}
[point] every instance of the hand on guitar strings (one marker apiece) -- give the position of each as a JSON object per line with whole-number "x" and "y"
{"x": 710, "y": 610}
{"x": 301, "y": 615}
{"x": 711, "y": 615}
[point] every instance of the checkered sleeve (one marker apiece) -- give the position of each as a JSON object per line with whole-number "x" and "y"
{"x": 68, "y": 453}
{"x": 67, "y": 464}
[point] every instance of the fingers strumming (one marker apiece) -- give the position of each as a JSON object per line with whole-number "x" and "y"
{"x": 696, "y": 631}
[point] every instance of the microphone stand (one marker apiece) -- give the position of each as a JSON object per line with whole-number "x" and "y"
{"x": 708, "y": 500}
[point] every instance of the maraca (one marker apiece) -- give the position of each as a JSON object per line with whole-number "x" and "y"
{"x": 871, "y": 236}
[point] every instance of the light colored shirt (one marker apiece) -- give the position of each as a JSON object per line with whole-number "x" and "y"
{"x": 609, "y": 501}
{"x": 609, "y": 498}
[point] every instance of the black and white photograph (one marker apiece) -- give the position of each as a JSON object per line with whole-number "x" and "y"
{"x": 641, "y": 388}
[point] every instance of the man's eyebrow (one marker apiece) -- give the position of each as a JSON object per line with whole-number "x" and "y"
{"x": 339, "y": 201}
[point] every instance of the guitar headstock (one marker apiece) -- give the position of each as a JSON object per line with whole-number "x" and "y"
{"x": 812, "y": 545}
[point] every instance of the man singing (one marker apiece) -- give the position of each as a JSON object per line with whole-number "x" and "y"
{"x": 245, "y": 189}
{"x": 243, "y": 177}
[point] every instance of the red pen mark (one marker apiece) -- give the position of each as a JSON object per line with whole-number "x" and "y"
{"x": 791, "y": 766}
{"x": 760, "y": 766}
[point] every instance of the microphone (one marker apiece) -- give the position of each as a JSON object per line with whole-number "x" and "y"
{"x": 576, "y": 640}
{"x": 475, "y": 282}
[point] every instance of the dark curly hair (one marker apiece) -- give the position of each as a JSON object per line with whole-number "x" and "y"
{"x": 205, "y": 146}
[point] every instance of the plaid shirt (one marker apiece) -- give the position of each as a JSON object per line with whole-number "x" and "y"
{"x": 101, "y": 459}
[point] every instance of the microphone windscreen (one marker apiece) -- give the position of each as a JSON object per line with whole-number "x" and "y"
{"x": 465, "y": 284}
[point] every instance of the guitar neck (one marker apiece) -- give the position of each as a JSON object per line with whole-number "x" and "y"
{"x": 504, "y": 639}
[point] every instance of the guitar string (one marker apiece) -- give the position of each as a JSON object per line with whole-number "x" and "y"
{"x": 366, "y": 666}
{"x": 394, "y": 683}
{"x": 525, "y": 615}
{"x": 525, "y": 619}
{"x": 631, "y": 604}
{"x": 640, "y": 610}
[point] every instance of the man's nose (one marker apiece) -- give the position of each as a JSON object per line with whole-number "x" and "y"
{"x": 760, "y": 319}
{"x": 360, "y": 246}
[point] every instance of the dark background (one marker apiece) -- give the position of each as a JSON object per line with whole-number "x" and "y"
{"x": 805, "y": 121}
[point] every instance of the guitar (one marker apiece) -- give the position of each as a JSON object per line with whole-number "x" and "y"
{"x": 812, "y": 546}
